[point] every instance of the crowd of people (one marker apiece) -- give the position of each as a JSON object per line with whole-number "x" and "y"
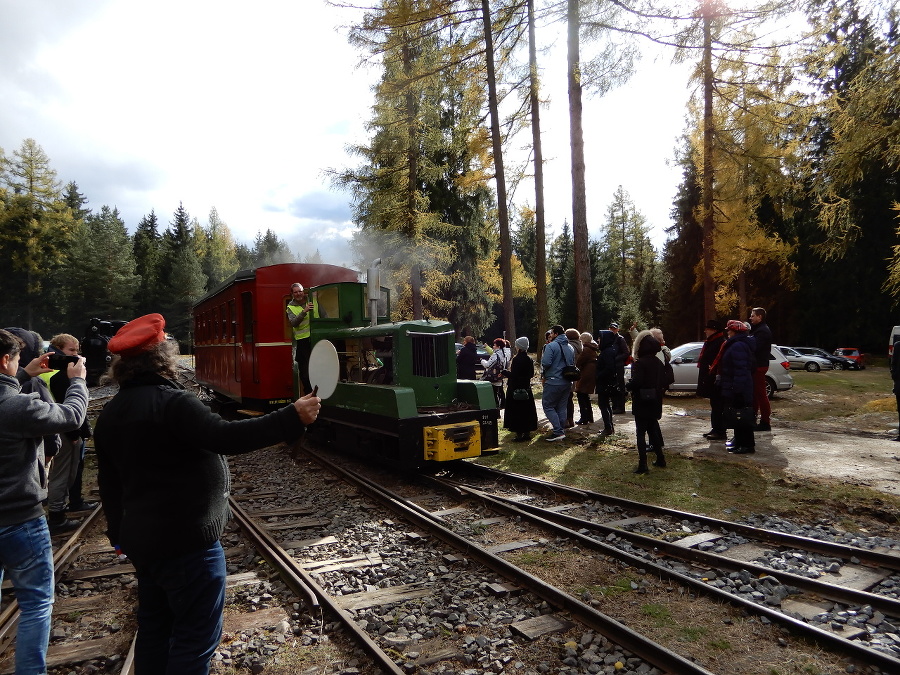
{"x": 574, "y": 366}
{"x": 163, "y": 480}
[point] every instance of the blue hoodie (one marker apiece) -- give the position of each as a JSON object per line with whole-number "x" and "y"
{"x": 557, "y": 354}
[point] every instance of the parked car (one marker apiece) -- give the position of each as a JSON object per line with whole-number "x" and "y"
{"x": 802, "y": 361}
{"x": 852, "y": 353}
{"x": 895, "y": 335}
{"x": 684, "y": 364}
{"x": 838, "y": 362}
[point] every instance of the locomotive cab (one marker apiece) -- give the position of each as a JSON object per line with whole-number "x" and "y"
{"x": 398, "y": 397}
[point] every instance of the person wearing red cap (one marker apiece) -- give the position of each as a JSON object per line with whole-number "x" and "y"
{"x": 737, "y": 363}
{"x": 164, "y": 482}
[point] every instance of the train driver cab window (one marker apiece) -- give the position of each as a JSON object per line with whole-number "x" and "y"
{"x": 327, "y": 304}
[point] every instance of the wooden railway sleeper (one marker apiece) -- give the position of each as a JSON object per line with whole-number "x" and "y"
{"x": 650, "y": 651}
{"x": 858, "y": 649}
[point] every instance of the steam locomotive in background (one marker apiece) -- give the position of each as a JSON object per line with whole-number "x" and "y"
{"x": 397, "y": 398}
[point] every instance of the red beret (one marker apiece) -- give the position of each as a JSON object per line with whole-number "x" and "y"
{"x": 736, "y": 325}
{"x": 139, "y": 335}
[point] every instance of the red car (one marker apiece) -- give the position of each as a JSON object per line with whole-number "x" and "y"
{"x": 852, "y": 353}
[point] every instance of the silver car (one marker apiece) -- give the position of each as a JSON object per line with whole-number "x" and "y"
{"x": 809, "y": 362}
{"x": 684, "y": 363}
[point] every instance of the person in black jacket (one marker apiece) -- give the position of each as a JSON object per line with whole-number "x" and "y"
{"x": 164, "y": 482}
{"x": 606, "y": 377}
{"x": 895, "y": 376}
{"x": 647, "y": 386}
{"x": 735, "y": 375}
{"x": 521, "y": 414}
{"x": 706, "y": 381}
{"x": 622, "y": 353}
{"x": 762, "y": 335}
{"x": 467, "y": 359}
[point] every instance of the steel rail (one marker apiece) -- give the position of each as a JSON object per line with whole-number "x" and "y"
{"x": 302, "y": 583}
{"x": 889, "y": 561}
{"x": 529, "y": 513}
{"x": 654, "y": 653}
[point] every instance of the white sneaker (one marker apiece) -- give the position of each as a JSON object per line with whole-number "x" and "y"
{"x": 555, "y": 437}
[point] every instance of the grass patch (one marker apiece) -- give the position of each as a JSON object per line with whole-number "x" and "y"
{"x": 532, "y": 558}
{"x": 618, "y": 587}
{"x": 692, "y": 633}
{"x": 720, "y": 645}
{"x": 724, "y": 490}
{"x": 659, "y": 613}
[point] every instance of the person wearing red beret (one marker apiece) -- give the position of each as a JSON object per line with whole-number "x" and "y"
{"x": 164, "y": 482}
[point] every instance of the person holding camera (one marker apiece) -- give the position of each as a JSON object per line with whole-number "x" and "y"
{"x": 26, "y": 554}
{"x": 65, "y": 472}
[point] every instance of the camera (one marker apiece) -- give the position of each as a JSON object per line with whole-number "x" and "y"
{"x": 59, "y": 361}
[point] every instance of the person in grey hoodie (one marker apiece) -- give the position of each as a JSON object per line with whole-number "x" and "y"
{"x": 25, "y": 551}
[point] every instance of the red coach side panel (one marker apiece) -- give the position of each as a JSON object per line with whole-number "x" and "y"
{"x": 243, "y": 341}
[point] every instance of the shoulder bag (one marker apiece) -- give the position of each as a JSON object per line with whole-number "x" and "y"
{"x": 570, "y": 371}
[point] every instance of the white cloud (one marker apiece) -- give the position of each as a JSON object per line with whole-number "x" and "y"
{"x": 245, "y": 108}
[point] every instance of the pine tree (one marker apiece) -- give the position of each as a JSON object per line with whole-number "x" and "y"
{"x": 219, "y": 259}
{"x": 37, "y": 228}
{"x": 75, "y": 201}
{"x": 147, "y": 248}
{"x": 98, "y": 278}
{"x": 183, "y": 281}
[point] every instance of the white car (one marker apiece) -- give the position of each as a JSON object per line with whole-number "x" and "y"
{"x": 808, "y": 362}
{"x": 684, "y": 365}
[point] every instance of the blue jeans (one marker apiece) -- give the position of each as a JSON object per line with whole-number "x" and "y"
{"x": 180, "y": 603}
{"x": 27, "y": 556}
{"x": 555, "y": 402}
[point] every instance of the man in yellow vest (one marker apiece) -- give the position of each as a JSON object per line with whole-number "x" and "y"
{"x": 64, "y": 485}
{"x": 299, "y": 310}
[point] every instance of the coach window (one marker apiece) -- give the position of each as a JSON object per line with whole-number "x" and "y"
{"x": 223, "y": 333}
{"x": 247, "y": 314}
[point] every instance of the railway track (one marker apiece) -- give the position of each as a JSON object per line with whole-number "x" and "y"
{"x": 442, "y": 582}
{"x": 554, "y": 599}
{"x": 838, "y": 594}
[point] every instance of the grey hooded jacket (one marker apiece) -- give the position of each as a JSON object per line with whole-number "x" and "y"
{"x": 24, "y": 420}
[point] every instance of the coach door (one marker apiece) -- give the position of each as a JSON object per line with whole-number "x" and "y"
{"x": 233, "y": 343}
{"x": 248, "y": 345}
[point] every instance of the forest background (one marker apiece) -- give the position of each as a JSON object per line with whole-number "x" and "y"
{"x": 789, "y": 198}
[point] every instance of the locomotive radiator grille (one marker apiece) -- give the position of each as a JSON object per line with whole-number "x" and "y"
{"x": 452, "y": 441}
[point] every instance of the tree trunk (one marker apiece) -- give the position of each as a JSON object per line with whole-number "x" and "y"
{"x": 579, "y": 191}
{"x": 540, "y": 246}
{"x": 509, "y": 317}
{"x": 412, "y": 160}
{"x": 709, "y": 288}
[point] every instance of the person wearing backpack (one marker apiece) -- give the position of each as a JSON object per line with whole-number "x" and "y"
{"x": 558, "y": 353}
{"x": 494, "y": 367}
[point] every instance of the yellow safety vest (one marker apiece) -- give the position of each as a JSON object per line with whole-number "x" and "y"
{"x": 46, "y": 378}
{"x": 301, "y": 330}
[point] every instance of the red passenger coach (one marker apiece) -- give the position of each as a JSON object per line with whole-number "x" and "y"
{"x": 242, "y": 339}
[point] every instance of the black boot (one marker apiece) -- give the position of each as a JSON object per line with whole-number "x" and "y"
{"x": 660, "y": 460}
{"x": 58, "y": 523}
{"x": 642, "y": 463}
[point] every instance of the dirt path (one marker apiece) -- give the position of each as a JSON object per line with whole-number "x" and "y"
{"x": 861, "y": 458}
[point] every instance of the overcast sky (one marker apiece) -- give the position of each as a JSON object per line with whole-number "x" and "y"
{"x": 245, "y": 107}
